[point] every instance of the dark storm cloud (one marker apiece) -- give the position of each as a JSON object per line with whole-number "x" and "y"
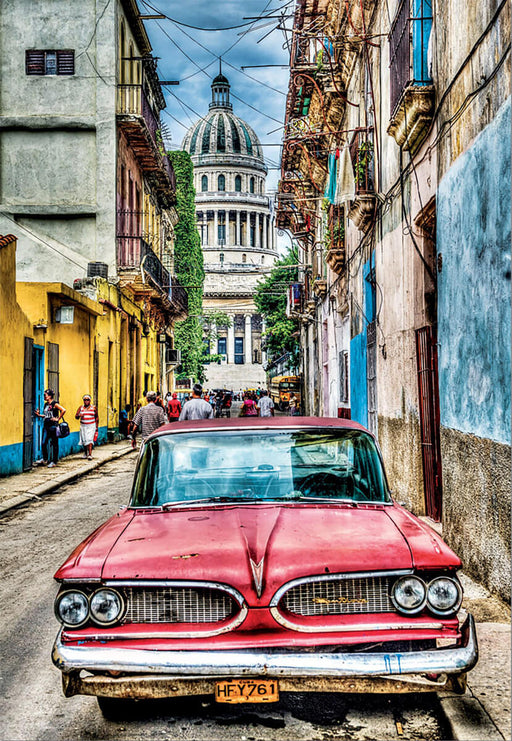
{"x": 192, "y": 57}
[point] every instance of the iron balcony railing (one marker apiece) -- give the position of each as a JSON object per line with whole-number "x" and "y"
{"x": 134, "y": 253}
{"x": 363, "y": 160}
{"x": 133, "y": 101}
{"x": 408, "y": 42}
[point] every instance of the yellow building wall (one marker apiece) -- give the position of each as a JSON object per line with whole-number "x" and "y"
{"x": 14, "y": 327}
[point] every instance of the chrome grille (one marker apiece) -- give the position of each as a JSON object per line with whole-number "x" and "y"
{"x": 178, "y": 605}
{"x": 339, "y": 597}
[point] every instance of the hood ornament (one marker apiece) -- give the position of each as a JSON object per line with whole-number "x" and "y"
{"x": 257, "y": 575}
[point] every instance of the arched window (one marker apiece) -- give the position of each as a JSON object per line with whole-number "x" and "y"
{"x": 204, "y": 183}
{"x": 238, "y": 183}
{"x": 251, "y": 185}
{"x": 122, "y": 54}
{"x": 221, "y": 183}
{"x": 244, "y": 257}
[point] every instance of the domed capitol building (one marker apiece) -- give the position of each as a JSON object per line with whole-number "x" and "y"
{"x": 236, "y": 225}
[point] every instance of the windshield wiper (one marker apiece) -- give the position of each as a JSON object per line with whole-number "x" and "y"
{"x": 323, "y": 500}
{"x": 205, "y": 500}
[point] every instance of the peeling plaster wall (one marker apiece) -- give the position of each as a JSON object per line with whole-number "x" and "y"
{"x": 473, "y": 237}
{"x": 57, "y": 138}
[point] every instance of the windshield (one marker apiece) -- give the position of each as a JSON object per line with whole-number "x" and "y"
{"x": 288, "y": 385}
{"x": 256, "y": 466}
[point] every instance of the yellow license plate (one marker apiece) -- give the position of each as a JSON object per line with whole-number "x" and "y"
{"x": 247, "y": 690}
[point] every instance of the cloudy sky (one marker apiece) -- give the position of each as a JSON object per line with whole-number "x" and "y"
{"x": 191, "y": 55}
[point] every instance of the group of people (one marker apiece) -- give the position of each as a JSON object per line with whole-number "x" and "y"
{"x": 52, "y": 416}
{"x": 255, "y": 405}
{"x": 152, "y": 412}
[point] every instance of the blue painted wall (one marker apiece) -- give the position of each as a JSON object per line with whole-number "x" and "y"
{"x": 358, "y": 355}
{"x": 473, "y": 236}
{"x": 11, "y": 456}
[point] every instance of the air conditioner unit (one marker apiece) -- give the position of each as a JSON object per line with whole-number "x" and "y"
{"x": 172, "y": 356}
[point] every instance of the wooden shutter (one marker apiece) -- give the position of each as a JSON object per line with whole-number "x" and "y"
{"x": 34, "y": 62}
{"x": 53, "y": 368}
{"x": 66, "y": 62}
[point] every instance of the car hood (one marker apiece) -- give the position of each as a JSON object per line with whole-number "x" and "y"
{"x": 256, "y": 548}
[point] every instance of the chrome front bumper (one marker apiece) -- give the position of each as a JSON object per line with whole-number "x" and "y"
{"x": 141, "y": 665}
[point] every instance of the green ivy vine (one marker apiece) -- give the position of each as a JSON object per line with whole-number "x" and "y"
{"x": 189, "y": 269}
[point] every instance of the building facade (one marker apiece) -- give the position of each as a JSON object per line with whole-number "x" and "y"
{"x": 395, "y": 185}
{"x": 236, "y": 225}
{"x": 88, "y": 191}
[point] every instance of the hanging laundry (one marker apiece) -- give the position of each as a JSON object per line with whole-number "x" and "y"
{"x": 345, "y": 184}
{"x": 330, "y": 190}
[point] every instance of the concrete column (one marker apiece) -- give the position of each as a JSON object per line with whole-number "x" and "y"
{"x": 238, "y": 236}
{"x": 248, "y": 339}
{"x": 231, "y": 344}
{"x": 215, "y": 240}
{"x": 257, "y": 224}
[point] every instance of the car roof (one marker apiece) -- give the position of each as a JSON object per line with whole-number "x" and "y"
{"x": 273, "y": 423}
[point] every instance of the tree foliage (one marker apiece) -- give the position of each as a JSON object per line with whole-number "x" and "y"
{"x": 189, "y": 269}
{"x": 281, "y": 335}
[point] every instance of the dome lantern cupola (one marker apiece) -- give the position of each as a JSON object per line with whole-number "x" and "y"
{"x": 220, "y": 92}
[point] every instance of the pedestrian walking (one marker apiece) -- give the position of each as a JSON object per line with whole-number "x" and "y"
{"x": 174, "y": 408}
{"x": 196, "y": 407}
{"x": 52, "y": 414}
{"x": 123, "y": 420}
{"x": 292, "y": 408}
{"x": 148, "y": 418}
{"x": 265, "y": 405}
{"x": 248, "y": 407}
{"x": 89, "y": 422}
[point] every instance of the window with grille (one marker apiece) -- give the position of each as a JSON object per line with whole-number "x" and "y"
{"x": 204, "y": 183}
{"x": 50, "y": 62}
{"x": 408, "y": 47}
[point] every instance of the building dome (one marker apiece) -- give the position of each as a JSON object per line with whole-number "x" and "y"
{"x": 220, "y": 132}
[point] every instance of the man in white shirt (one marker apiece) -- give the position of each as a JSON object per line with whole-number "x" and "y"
{"x": 196, "y": 407}
{"x": 265, "y": 406}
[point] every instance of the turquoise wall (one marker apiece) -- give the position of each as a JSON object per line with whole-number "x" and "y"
{"x": 358, "y": 354}
{"x": 11, "y": 456}
{"x": 473, "y": 238}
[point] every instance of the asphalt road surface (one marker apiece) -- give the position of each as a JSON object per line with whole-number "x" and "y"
{"x": 34, "y": 541}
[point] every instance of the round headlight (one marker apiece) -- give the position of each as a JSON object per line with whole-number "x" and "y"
{"x": 444, "y": 595}
{"x": 106, "y": 606}
{"x": 72, "y": 608}
{"x": 409, "y": 594}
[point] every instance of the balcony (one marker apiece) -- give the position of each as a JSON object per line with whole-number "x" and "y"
{"x": 362, "y": 209}
{"x": 141, "y": 124}
{"x": 140, "y": 268}
{"x": 412, "y": 92}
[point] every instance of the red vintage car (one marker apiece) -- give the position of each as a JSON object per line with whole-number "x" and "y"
{"x": 256, "y": 557}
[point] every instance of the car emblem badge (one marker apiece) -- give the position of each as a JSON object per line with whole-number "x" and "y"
{"x": 257, "y": 575}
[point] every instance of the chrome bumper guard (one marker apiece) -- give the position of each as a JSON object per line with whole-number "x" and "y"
{"x": 144, "y": 665}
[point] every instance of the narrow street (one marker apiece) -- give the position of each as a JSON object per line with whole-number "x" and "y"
{"x": 35, "y": 540}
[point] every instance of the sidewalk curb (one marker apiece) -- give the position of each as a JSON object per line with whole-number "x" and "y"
{"x": 468, "y": 719}
{"x": 37, "y": 492}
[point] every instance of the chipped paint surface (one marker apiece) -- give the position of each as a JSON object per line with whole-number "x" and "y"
{"x": 473, "y": 237}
